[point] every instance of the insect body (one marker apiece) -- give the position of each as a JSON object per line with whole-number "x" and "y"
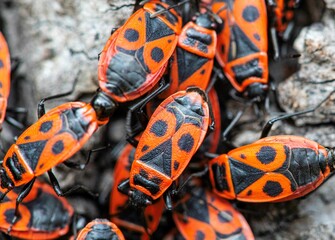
{"x": 100, "y": 229}
{"x": 136, "y": 55}
{"x": 272, "y": 169}
{"x": 134, "y": 223}
{"x": 194, "y": 56}
{"x": 243, "y": 44}
{"x": 44, "y": 215}
{"x": 284, "y": 13}
{"x": 192, "y": 67}
{"x": 174, "y": 133}
{"x": 4, "y": 77}
{"x": 202, "y": 215}
{"x": 54, "y": 138}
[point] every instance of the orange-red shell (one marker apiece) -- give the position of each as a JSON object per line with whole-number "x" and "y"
{"x": 276, "y": 168}
{"x": 54, "y": 222}
{"x": 53, "y": 139}
{"x": 206, "y": 216}
{"x": 136, "y": 56}
{"x": 128, "y": 218}
{"x": 243, "y": 42}
{"x": 174, "y": 133}
{"x": 100, "y": 229}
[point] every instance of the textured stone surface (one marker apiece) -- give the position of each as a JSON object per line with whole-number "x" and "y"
{"x": 316, "y": 78}
{"x": 57, "y": 39}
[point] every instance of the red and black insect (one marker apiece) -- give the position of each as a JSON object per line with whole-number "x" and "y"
{"x": 174, "y": 133}
{"x": 53, "y": 139}
{"x": 243, "y": 44}
{"x": 100, "y": 229}
{"x": 191, "y": 66}
{"x": 272, "y": 169}
{"x": 133, "y": 222}
{"x": 44, "y": 215}
{"x": 202, "y": 215}
{"x": 193, "y": 59}
{"x": 284, "y": 13}
{"x": 281, "y": 14}
{"x": 136, "y": 55}
{"x": 4, "y": 77}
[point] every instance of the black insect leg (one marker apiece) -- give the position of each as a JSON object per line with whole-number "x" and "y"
{"x": 23, "y": 193}
{"x": 190, "y": 177}
{"x": 136, "y": 113}
{"x": 124, "y": 187}
{"x": 41, "y": 108}
{"x": 59, "y": 191}
{"x": 167, "y": 9}
{"x": 3, "y": 195}
{"x": 267, "y": 127}
{"x": 231, "y": 125}
{"x": 168, "y": 200}
{"x": 81, "y": 166}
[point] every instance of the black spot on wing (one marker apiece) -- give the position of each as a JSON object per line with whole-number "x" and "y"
{"x": 266, "y": 154}
{"x": 257, "y": 37}
{"x": 250, "y": 13}
{"x": 1, "y": 64}
{"x": 159, "y": 128}
{"x": 58, "y": 147}
{"x": 157, "y": 54}
{"x": 222, "y": 49}
{"x": 272, "y": 188}
{"x": 144, "y": 148}
{"x": 200, "y": 235}
{"x": 45, "y": 126}
{"x": 132, "y": 35}
{"x": 176, "y": 165}
{"x": 186, "y": 142}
